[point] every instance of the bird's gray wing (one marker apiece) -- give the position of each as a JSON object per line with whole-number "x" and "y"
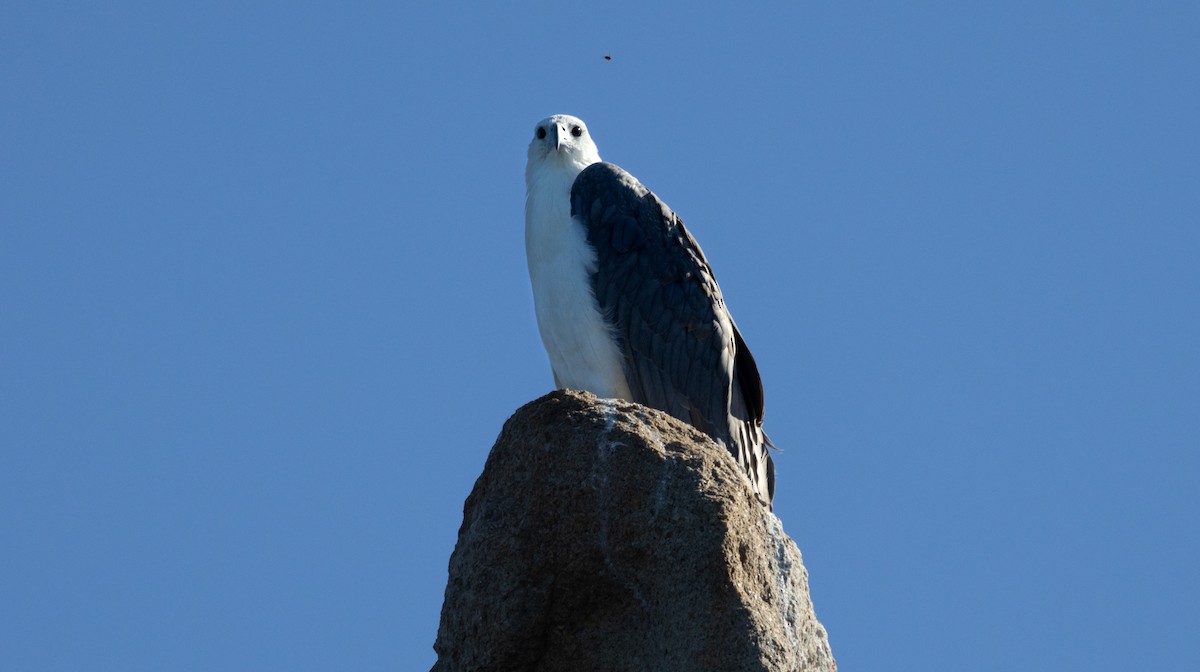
{"x": 683, "y": 353}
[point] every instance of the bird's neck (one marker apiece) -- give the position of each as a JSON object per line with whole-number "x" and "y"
{"x": 556, "y": 171}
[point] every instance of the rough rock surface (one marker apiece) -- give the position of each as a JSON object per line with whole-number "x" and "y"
{"x": 603, "y": 535}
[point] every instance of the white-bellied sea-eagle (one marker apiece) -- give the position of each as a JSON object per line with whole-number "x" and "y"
{"x": 626, "y": 303}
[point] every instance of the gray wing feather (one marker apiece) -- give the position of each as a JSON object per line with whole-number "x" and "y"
{"x": 683, "y": 353}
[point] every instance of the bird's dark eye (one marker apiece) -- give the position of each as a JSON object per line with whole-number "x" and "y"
{"x": 576, "y": 131}
{"x": 540, "y": 133}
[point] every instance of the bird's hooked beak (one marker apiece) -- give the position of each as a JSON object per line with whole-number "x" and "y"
{"x": 560, "y": 136}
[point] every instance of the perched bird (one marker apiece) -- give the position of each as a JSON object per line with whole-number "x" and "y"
{"x": 626, "y": 303}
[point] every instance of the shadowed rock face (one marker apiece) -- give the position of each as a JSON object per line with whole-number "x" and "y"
{"x": 603, "y": 535}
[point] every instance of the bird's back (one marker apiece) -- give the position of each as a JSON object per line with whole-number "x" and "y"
{"x": 681, "y": 351}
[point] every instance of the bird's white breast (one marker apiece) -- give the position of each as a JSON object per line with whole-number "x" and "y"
{"x": 582, "y": 348}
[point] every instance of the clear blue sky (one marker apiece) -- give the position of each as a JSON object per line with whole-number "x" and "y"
{"x": 264, "y": 308}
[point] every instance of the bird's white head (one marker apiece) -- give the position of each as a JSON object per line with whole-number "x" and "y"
{"x": 560, "y": 143}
